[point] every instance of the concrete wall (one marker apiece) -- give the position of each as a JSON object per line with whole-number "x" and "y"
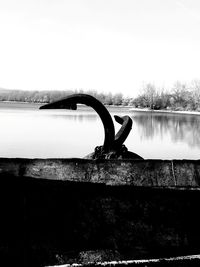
{"x": 159, "y": 173}
{"x": 73, "y": 210}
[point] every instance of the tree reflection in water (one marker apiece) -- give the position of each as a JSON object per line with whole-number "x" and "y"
{"x": 180, "y": 128}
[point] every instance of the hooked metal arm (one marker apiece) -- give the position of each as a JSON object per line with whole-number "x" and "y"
{"x": 124, "y": 131}
{"x": 113, "y": 144}
{"x": 71, "y": 102}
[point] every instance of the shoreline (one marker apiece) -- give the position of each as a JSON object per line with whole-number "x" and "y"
{"x": 145, "y": 110}
{"x": 184, "y": 112}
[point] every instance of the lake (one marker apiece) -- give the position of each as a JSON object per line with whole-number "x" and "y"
{"x": 29, "y": 132}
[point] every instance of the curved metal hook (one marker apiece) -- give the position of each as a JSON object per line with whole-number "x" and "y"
{"x": 124, "y": 131}
{"x": 71, "y": 102}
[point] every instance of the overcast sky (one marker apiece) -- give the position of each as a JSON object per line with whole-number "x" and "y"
{"x": 106, "y": 45}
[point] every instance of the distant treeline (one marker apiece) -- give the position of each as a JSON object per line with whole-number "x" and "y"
{"x": 180, "y": 97}
{"x": 49, "y": 96}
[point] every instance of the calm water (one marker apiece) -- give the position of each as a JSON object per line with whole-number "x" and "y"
{"x": 29, "y": 132}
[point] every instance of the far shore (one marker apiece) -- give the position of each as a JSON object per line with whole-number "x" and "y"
{"x": 129, "y": 108}
{"x": 184, "y": 112}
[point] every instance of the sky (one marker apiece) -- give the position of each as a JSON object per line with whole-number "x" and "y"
{"x": 103, "y": 45}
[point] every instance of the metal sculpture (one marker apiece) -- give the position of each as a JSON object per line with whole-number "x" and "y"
{"x": 113, "y": 144}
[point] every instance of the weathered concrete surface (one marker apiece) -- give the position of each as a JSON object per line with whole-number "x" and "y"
{"x": 161, "y": 173}
{"x": 185, "y": 261}
{"x": 58, "y": 211}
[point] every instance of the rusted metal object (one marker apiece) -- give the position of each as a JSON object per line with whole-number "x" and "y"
{"x": 71, "y": 102}
{"x": 124, "y": 131}
{"x": 113, "y": 144}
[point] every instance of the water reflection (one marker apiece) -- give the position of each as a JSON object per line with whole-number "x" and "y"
{"x": 184, "y": 128}
{"x": 79, "y": 117}
{"x": 65, "y": 133}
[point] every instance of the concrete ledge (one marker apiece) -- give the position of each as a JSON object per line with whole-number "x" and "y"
{"x": 185, "y": 261}
{"x": 153, "y": 173}
{"x": 64, "y": 211}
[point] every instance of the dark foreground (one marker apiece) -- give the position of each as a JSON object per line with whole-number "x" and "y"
{"x": 80, "y": 211}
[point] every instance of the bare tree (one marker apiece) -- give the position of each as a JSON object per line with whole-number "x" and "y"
{"x": 150, "y": 94}
{"x": 196, "y": 94}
